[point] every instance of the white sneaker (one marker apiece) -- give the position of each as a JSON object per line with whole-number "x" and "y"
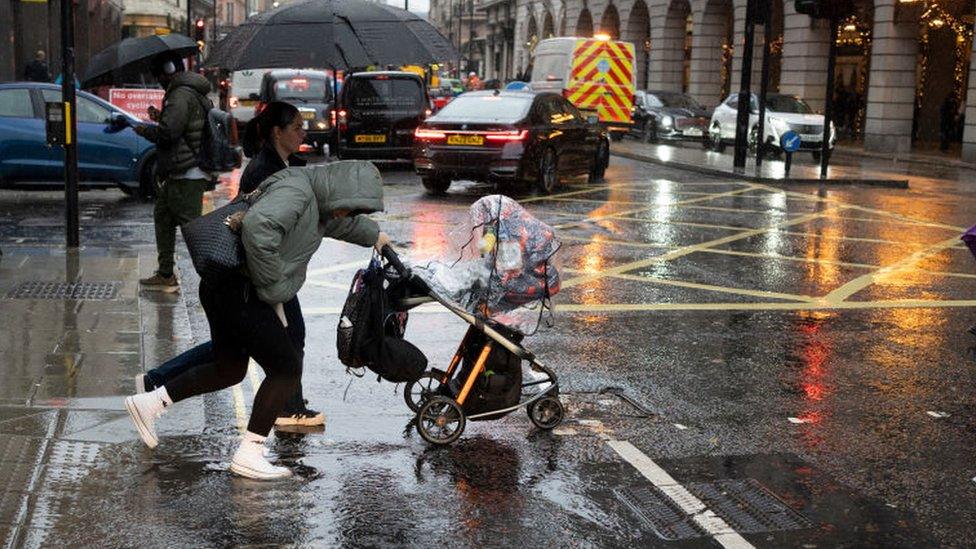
{"x": 250, "y": 461}
{"x": 531, "y": 376}
{"x": 140, "y": 383}
{"x": 145, "y": 409}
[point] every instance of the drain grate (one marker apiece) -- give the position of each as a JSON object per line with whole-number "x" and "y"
{"x": 746, "y": 505}
{"x": 62, "y": 290}
{"x": 660, "y": 513}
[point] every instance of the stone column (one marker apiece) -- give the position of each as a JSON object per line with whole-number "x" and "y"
{"x": 667, "y": 48}
{"x": 707, "y": 37}
{"x": 806, "y": 46}
{"x": 891, "y": 96}
{"x": 969, "y": 134}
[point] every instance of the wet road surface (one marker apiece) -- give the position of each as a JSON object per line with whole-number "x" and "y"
{"x": 741, "y": 365}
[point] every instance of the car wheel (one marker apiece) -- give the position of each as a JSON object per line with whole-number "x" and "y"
{"x": 436, "y": 184}
{"x": 600, "y": 162}
{"x": 548, "y": 177}
{"x": 617, "y": 136}
{"x": 147, "y": 181}
{"x": 753, "y": 138}
{"x": 650, "y": 131}
{"x": 716, "y": 136}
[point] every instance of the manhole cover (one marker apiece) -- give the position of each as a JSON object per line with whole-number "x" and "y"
{"x": 745, "y": 505}
{"x": 62, "y": 290}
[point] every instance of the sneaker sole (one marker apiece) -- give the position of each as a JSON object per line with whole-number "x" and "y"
{"x": 164, "y": 289}
{"x": 314, "y": 421}
{"x": 247, "y": 472}
{"x": 147, "y": 437}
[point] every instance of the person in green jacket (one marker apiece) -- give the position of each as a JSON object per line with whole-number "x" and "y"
{"x": 296, "y": 209}
{"x": 178, "y": 135}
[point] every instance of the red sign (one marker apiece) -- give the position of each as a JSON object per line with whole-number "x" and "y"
{"x": 136, "y": 101}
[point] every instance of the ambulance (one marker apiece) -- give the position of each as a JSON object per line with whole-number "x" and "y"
{"x": 595, "y": 74}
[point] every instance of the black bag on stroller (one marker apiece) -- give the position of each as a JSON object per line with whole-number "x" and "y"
{"x": 498, "y": 387}
{"x": 370, "y": 333}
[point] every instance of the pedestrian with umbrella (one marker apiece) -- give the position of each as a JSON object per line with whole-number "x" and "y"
{"x": 178, "y": 135}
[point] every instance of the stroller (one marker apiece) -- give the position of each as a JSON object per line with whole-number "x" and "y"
{"x": 484, "y": 380}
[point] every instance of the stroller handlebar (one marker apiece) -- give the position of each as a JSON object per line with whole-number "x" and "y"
{"x": 393, "y": 259}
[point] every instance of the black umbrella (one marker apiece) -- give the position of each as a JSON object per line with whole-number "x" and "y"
{"x": 339, "y": 34}
{"x": 126, "y": 61}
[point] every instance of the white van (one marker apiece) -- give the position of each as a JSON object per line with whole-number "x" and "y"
{"x": 245, "y": 90}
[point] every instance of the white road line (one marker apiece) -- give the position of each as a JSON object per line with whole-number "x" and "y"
{"x": 717, "y": 528}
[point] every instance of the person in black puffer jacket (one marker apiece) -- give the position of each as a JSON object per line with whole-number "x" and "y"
{"x": 178, "y": 135}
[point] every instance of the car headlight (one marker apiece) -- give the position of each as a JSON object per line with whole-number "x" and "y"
{"x": 321, "y": 125}
{"x": 667, "y": 121}
{"x": 779, "y": 125}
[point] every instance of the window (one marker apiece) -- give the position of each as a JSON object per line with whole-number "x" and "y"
{"x": 383, "y": 94}
{"x": 91, "y": 112}
{"x": 487, "y": 108}
{"x": 16, "y": 103}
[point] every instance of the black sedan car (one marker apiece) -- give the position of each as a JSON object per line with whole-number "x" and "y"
{"x": 669, "y": 116}
{"x": 506, "y": 137}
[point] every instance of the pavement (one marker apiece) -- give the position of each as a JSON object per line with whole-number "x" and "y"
{"x": 742, "y": 365}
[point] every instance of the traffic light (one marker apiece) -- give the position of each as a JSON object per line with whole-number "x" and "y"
{"x": 824, "y": 9}
{"x": 199, "y": 29}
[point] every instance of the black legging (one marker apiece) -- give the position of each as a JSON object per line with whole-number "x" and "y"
{"x": 243, "y": 326}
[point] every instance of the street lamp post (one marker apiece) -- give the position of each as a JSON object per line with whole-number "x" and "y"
{"x": 745, "y": 89}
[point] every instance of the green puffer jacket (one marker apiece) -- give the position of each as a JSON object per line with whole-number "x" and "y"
{"x": 180, "y": 129}
{"x": 293, "y": 213}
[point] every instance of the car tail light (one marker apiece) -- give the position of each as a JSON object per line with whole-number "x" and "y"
{"x": 422, "y": 133}
{"x": 305, "y": 148}
{"x": 233, "y": 102}
{"x": 513, "y": 135}
{"x": 342, "y": 121}
{"x": 428, "y": 112}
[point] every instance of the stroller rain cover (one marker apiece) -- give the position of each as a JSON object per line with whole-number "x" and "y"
{"x": 502, "y": 266}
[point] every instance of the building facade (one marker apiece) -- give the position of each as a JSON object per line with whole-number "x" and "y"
{"x": 29, "y": 26}
{"x": 465, "y": 24}
{"x": 903, "y": 65}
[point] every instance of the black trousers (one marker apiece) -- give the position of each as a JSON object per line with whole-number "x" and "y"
{"x": 243, "y": 326}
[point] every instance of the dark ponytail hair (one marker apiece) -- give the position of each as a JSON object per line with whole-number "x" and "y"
{"x": 259, "y": 130}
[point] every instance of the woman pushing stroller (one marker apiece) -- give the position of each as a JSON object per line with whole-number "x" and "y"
{"x": 281, "y": 231}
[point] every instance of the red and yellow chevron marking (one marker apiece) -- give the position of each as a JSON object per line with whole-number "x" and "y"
{"x": 610, "y": 93}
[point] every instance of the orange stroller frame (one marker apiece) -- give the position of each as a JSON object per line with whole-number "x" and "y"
{"x": 441, "y": 419}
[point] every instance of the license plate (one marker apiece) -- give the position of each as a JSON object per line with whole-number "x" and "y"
{"x": 465, "y": 140}
{"x": 811, "y": 138}
{"x": 693, "y": 131}
{"x": 308, "y": 115}
{"x": 367, "y": 138}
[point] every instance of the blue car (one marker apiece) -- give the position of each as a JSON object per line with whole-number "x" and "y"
{"x": 109, "y": 151}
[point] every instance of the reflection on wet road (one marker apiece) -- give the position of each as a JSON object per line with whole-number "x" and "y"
{"x": 743, "y": 365}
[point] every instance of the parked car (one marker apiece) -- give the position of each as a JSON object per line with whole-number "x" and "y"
{"x": 783, "y": 113}
{"x": 668, "y": 116}
{"x": 245, "y": 93}
{"x": 311, "y": 92}
{"x": 109, "y": 151}
{"x": 378, "y": 113}
{"x": 507, "y": 137}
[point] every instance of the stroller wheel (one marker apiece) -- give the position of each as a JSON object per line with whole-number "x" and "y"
{"x": 416, "y": 393}
{"x": 440, "y": 420}
{"x": 546, "y": 413}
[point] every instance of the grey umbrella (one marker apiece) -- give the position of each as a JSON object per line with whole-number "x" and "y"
{"x": 126, "y": 61}
{"x": 340, "y": 34}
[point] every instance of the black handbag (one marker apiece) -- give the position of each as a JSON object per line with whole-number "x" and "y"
{"x": 215, "y": 249}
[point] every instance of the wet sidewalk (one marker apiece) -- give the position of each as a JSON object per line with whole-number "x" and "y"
{"x": 847, "y": 166}
{"x": 76, "y": 332}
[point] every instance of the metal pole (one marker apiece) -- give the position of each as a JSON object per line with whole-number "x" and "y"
{"x": 460, "y": 14}
{"x": 764, "y": 85}
{"x": 71, "y": 126}
{"x": 189, "y": 18}
{"x": 745, "y": 87}
{"x": 829, "y": 100}
{"x": 406, "y": 5}
{"x": 470, "y": 32}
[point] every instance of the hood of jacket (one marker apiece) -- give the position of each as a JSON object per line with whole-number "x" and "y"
{"x": 354, "y": 185}
{"x": 191, "y": 79}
